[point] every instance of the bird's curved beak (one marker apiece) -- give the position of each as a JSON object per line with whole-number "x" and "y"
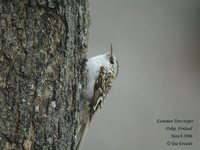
{"x": 110, "y": 53}
{"x": 111, "y": 50}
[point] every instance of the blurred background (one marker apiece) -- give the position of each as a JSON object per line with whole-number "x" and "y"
{"x": 157, "y": 43}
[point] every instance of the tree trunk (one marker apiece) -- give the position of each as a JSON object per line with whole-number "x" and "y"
{"x": 42, "y": 48}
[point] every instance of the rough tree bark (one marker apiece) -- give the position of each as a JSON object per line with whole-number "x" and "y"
{"x": 42, "y": 48}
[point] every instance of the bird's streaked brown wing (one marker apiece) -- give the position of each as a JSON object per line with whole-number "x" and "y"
{"x": 101, "y": 88}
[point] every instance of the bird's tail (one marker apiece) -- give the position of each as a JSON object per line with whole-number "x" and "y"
{"x": 82, "y": 130}
{"x": 83, "y": 124}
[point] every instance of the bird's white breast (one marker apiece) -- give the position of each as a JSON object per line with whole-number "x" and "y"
{"x": 93, "y": 66}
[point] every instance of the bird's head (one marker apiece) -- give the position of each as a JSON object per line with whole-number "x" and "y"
{"x": 113, "y": 63}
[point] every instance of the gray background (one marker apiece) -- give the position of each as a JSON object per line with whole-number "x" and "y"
{"x": 157, "y": 43}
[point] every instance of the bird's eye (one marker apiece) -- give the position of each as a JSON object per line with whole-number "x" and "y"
{"x": 111, "y": 60}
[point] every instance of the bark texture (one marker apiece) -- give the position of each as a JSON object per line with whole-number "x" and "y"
{"x": 42, "y": 48}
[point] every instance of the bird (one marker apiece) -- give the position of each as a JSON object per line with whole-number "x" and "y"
{"x": 101, "y": 71}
